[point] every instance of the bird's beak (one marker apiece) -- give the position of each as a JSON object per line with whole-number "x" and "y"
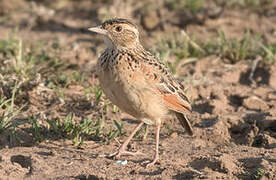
{"x": 98, "y": 29}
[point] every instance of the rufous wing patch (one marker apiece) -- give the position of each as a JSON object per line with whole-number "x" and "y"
{"x": 174, "y": 103}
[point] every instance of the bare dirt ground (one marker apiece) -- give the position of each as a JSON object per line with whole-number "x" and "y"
{"x": 234, "y": 104}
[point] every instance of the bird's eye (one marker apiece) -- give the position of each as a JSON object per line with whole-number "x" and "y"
{"x": 118, "y": 28}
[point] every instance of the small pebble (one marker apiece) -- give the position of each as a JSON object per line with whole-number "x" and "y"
{"x": 121, "y": 162}
{"x": 174, "y": 135}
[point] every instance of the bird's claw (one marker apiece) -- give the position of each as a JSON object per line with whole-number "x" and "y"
{"x": 153, "y": 162}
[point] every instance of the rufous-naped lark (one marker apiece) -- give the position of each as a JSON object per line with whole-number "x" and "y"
{"x": 137, "y": 82}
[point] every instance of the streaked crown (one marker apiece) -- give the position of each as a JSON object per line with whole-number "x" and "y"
{"x": 121, "y": 33}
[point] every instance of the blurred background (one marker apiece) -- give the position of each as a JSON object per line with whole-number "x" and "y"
{"x": 222, "y": 51}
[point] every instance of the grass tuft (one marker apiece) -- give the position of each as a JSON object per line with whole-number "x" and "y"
{"x": 8, "y": 113}
{"x": 178, "y": 47}
{"x": 187, "y": 5}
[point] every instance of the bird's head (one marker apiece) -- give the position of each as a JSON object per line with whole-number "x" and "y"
{"x": 118, "y": 33}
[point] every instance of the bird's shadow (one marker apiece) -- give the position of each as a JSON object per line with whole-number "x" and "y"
{"x": 130, "y": 121}
{"x": 152, "y": 171}
{"x": 158, "y": 171}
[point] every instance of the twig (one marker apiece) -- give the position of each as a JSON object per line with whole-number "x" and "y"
{"x": 253, "y": 69}
{"x": 117, "y": 141}
{"x": 192, "y": 42}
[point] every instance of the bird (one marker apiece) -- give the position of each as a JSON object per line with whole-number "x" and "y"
{"x": 138, "y": 82}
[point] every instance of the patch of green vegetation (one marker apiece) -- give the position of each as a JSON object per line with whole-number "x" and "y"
{"x": 144, "y": 128}
{"x": 77, "y": 131}
{"x": 84, "y": 129}
{"x": 24, "y": 66}
{"x": 97, "y": 91}
{"x": 79, "y": 77}
{"x": 197, "y": 5}
{"x": 19, "y": 58}
{"x": 69, "y": 127}
{"x": 187, "y": 5}
{"x": 88, "y": 93}
{"x": 36, "y": 129}
{"x": 12, "y": 49}
{"x": 115, "y": 108}
{"x": 258, "y": 174}
{"x": 114, "y": 133}
{"x": 178, "y": 47}
{"x": 268, "y": 52}
{"x": 25, "y": 61}
{"x": 233, "y": 49}
{"x": 244, "y": 3}
{"x": 236, "y": 49}
{"x": 5, "y": 18}
{"x": 181, "y": 49}
{"x": 8, "y": 113}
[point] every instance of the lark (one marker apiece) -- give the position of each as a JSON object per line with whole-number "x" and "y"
{"x": 138, "y": 82}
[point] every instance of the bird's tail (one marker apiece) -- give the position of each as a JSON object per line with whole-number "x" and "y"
{"x": 184, "y": 122}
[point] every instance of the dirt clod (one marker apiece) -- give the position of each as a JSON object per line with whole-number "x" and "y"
{"x": 150, "y": 20}
{"x": 256, "y": 103}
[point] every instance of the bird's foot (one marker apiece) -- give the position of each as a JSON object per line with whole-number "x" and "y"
{"x": 153, "y": 162}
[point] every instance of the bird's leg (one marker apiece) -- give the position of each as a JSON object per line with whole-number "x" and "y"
{"x": 122, "y": 149}
{"x": 156, "y": 156}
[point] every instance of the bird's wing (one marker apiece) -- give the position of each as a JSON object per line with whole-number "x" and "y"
{"x": 152, "y": 75}
{"x": 157, "y": 75}
{"x": 172, "y": 92}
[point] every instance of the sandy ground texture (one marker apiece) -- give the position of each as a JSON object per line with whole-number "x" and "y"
{"x": 234, "y": 104}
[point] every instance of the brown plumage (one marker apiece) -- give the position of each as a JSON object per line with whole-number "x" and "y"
{"x": 137, "y": 82}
